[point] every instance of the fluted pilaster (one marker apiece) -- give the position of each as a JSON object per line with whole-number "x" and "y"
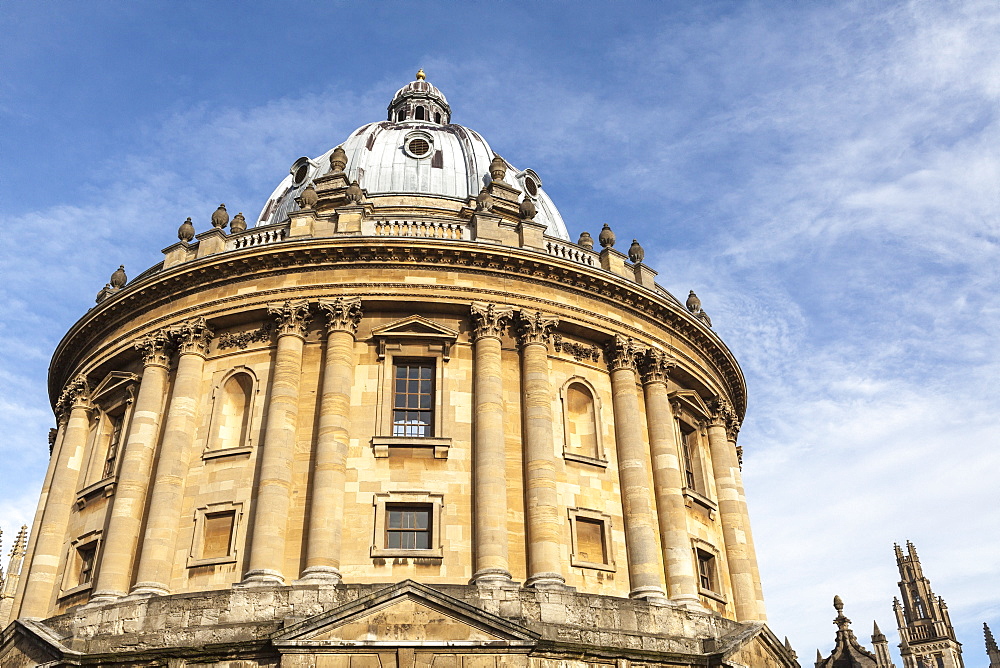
{"x": 192, "y": 338}
{"x": 541, "y": 503}
{"x": 645, "y": 562}
{"x": 490, "y": 481}
{"x": 326, "y": 515}
{"x": 273, "y": 498}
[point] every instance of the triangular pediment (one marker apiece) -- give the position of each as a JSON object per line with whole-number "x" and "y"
{"x": 692, "y": 402}
{"x": 408, "y": 614}
{"x": 752, "y": 644}
{"x": 116, "y": 380}
{"x": 415, "y": 326}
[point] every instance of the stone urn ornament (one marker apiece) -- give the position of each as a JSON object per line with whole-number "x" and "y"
{"x": 527, "y": 209}
{"x": 585, "y": 241}
{"x": 186, "y": 231}
{"x": 220, "y": 218}
{"x": 239, "y": 224}
{"x": 353, "y": 193}
{"x": 635, "y": 252}
{"x": 338, "y": 160}
{"x": 693, "y": 304}
{"x": 606, "y": 237}
{"x": 309, "y": 199}
{"x": 498, "y": 168}
{"x": 484, "y": 201}
{"x": 118, "y": 278}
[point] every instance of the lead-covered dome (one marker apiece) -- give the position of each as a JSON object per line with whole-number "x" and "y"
{"x": 416, "y": 152}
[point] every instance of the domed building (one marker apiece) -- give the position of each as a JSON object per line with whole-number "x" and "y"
{"x": 402, "y": 420}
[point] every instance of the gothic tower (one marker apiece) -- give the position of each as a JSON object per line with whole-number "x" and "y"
{"x": 992, "y": 651}
{"x": 927, "y": 638}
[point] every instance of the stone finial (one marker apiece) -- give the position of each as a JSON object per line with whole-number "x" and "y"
{"x": 338, "y": 160}
{"x": 308, "y": 198}
{"x": 186, "y": 231}
{"x": 118, "y": 278}
{"x": 635, "y": 252}
{"x": 585, "y": 241}
{"x": 239, "y": 223}
{"x": 498, "y": 168}
{"x": 527, "y": 209}
{"x": 693, "y": 304}
{"x": 104, "y": 293}
{"x": 838, "y": 604}
{"x": 220, "y": 218}
{"x": 353, "y": 193}
{"x": 484, "y": 201}
{"x": 606, "y": 237}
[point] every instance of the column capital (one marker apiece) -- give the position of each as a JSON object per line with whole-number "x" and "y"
{"x": 655, "y": 366}
{"x": 723, "y": 413}
{"x": 292, "y": 317}
{"x": 534, "y": 327}
{"x": 192, "y": 336}
{"x": 489, "y": 320}
{"x": 76, "y": 394}
{"x": 622, "y": 353}
{"x": 343, "y": 314}
{"x": 155, "y": 348}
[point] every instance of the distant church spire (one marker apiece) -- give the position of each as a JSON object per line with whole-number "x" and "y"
{"x": 8, "y": 585}
{"x": 927, "y": 638}
{"x": 992, "y": 651}
{"x": 881, "y": 646}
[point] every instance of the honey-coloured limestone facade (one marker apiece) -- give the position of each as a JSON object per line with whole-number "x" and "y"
{"x": 403, "y": 420}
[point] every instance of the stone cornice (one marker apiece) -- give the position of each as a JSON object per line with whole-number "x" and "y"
{"x": 157, "y": 289}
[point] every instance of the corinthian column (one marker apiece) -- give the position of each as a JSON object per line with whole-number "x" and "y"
{"x": 490, "y": 481}
{"x": 533, "y": 331}
{"x": 129, "y": 502}
{"x": 267, "y": 551}
{"x": 682, "y": 582}
{"x": 645, "y": 565}
{"x": 725, "y": 467}
{"x": 41, "y": 588}
{"x": 732, "y": 431}
{"x": 326, "y": 515}
{"x": 192, "y": 338}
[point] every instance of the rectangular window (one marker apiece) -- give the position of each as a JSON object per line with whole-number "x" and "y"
{"x": 114, "y": 442}
{"x": 706, "y": 570}
{"x": 218, "y": 535}
{"x": 408, "y": 527}
{"x": 413, "y": 399}
{"x": 85, "y": 559}
{"x": 689, "y": 444}
{"x": 590, "y": 541}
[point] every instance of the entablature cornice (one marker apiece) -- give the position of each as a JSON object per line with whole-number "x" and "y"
{"x": 487, "y": 261}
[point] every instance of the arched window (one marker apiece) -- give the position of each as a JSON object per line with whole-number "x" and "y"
{"x": 232, "y": 412}
{"x": 581, "y": 421}
{"x": 420, "y": 114}
{"x": 437, "y": 118}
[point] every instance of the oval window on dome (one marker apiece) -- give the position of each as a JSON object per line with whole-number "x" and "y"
{"x": 531, "y": 186}
{"x": 418, "y": 147}
{"x": 300, "y": 171}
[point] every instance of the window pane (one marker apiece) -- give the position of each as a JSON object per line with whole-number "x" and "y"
{"x": 218, "y": 533}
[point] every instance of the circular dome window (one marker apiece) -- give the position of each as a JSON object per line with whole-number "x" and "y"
{"x": 299, "y": 171}
{"x": 418, "y": 147}
{"x": 531, "y": 187}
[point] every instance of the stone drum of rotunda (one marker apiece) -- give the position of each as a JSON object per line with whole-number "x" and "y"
{"x": 401, "y": 420}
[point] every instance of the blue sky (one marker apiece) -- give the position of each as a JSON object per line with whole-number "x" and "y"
{"x": 825, "y": 175}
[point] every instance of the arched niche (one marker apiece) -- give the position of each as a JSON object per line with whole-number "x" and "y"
{"x": 581, "y": 409}
{"x": 232, "y": 412}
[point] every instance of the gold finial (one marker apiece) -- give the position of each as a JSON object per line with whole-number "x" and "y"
{"x": 420, "y": 75}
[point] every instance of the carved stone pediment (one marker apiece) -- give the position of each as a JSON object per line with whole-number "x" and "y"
{"x": 415, "y": 328}
{"x": 405, "y": 615}
{"x": 690, "y": 402}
